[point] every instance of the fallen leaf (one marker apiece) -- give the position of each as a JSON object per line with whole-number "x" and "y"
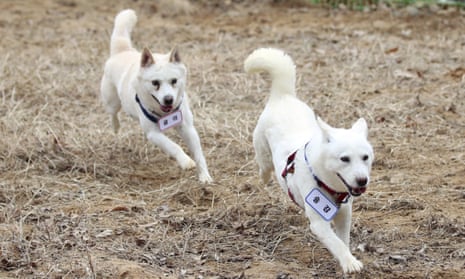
{"x": 391, "y": 50}
{"x": 120, "y": 208}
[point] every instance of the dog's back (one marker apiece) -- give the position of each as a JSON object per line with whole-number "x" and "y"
{"x": 286, "y": 123}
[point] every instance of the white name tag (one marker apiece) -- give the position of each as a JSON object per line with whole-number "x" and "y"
{"x": 321, "y": 204}
{"x": 170, "y": 120}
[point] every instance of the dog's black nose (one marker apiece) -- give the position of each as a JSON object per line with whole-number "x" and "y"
{"x": 168, "y": 100}
{"x": 362, "y": 181}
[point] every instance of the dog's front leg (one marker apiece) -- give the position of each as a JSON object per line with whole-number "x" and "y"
{"x": 322, "y": 229}
{"x": 192, "y": 139}
{"x": 171, "y": 148}
{"x": 342, "y": 223}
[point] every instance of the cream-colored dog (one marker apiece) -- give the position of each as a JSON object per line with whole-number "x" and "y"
{"x": 151, "y": 88}
{"x": 320, "y": 167}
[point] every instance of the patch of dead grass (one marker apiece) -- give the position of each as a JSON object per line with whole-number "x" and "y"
{"x": 76, "y": 200}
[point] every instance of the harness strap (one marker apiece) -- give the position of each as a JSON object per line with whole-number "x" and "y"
{"x": 290, "y": 168}
{"x": 290, "y": 165}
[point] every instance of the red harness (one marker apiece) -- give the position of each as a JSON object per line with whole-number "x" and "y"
{"x": 290, "y": 168}
{"x": 339, "y": 197}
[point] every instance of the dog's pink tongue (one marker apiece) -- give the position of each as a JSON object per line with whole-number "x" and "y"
{"x": 166, "y": 108}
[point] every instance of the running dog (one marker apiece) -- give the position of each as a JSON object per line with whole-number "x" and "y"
{"x": 150, "y": 87}
{"x": 318, "y": 166}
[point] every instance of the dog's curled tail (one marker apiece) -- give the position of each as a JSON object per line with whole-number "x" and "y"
{"x": 278, "y": 64}
{"x": 121, "y": 36}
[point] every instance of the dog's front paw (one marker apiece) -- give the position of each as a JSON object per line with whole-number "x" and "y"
{"x": 205, "y": 177}
{"x": 186, "y": 163}
{"x": 351, "y": 265}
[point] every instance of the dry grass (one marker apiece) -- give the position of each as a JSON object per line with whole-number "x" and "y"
{"x": 77, "y": 201}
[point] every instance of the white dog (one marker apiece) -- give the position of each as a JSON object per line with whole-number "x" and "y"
{"x": 151, "y": 88}
{"x": 320, "y": 167}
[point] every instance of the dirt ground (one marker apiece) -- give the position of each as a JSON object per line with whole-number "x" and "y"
{"x": 78, "y": 201}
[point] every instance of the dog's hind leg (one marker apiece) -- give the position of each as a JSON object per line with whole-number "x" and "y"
{"x": 263, "y": 157}
{"x": 265, "y": 169}
{"x": 115, "y": 122}
{"x": 111, "y": 101}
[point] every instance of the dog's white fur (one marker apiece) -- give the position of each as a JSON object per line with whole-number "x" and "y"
{"x": 159, "y": 82}
{"x": 286, "y": 125}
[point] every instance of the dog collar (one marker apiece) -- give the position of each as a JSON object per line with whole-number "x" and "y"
{"x": 290, "y": 169}
{"x": 339, "y": 197}
{"x": 150, "y": 115}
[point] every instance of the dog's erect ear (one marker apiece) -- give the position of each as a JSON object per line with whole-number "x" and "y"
{"x": 325, "y": 128}
{"x": 146, "y": 58}
{"x": 174, "y": 56}
{"x": 360, "y": 126}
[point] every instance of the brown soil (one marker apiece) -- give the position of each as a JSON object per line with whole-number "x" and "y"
{"x": 78, "y": 201}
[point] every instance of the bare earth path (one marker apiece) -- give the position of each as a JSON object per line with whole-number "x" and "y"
{"x": 77, "y": 201}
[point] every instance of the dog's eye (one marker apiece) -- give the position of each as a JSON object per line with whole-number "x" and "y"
{"x": 345, "y": 159}
{"x": 365, "y": 157}
{"x": 174, "y": 81}
{"x": 156, "y": 84}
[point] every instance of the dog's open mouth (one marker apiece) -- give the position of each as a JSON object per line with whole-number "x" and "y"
{"x": 354, "y": 191}
{"x": 357, "y": 191}
{"x": 166, "y": 108}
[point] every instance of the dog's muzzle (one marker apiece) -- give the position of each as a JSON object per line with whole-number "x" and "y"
{"x": 355, "y": 191}
{"x": 166, "y": 105}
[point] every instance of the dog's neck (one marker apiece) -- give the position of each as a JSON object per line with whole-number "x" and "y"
{"x": 319, "y": 172}
{"x": 153, "y": 116}
{"x": 339, "y": 197}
